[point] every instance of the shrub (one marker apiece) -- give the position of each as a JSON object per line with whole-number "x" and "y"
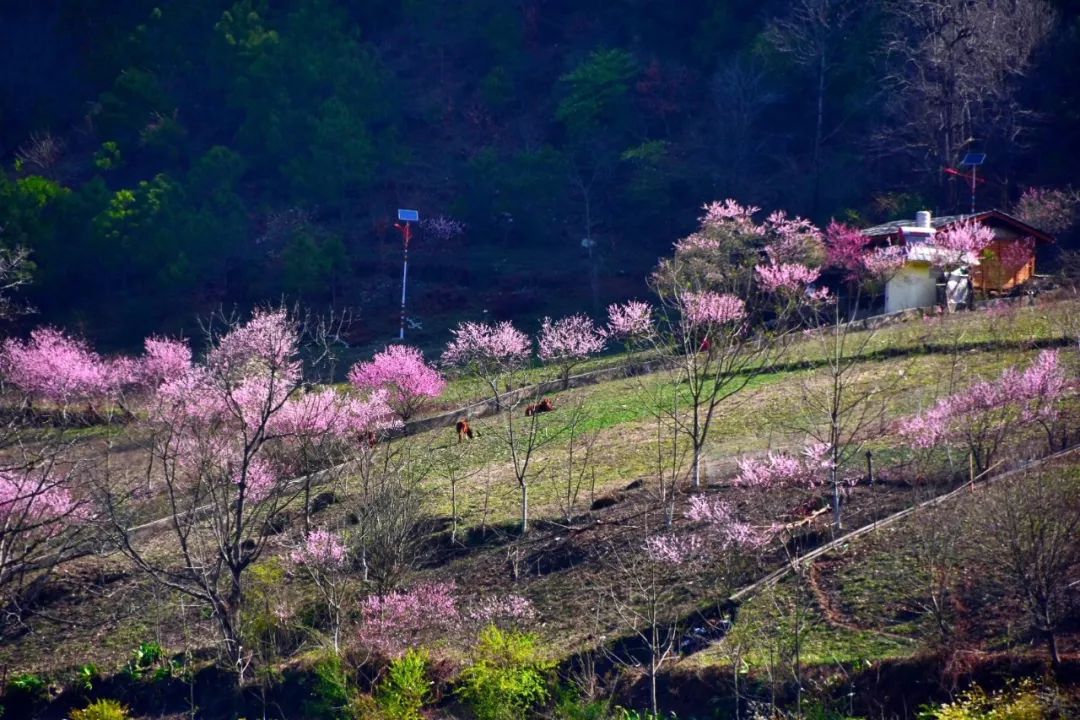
{"x": 406, "y": 687}
{"x": 27, "y": 688}
{"x": 507, "y": 677}
{"x": 1019, "y": 702}
{"x": 86, "y": 676}
{"x": 101, "y": 710}
{"x": 146, "y": 657}
{"x": 331, "y": 692}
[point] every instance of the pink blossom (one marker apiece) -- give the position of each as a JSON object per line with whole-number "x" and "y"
{"x": 696, "y": 242}
{"x": 500, "y": 608}
{"x": 487, "y": 346}
{"x": 712, "y": 308}
{"x": 268, "y": 344}
{"x": 391, "y": 623}
{"x": 630, "y": 320}
{"x": 846, "y": 248}
{"x": 1034, "y": 393}
{"x": 730, "y": 213}
{"x": 33, "y": 504}
{"x": 726, "y": 530}
{"x": 782, "y": 469}
{"x": 260, "y": 480}
{"x": 54, "y": 367}
{"x": 884, "y": 262}
{"x": 1016, "y": 254}
{"x": 329, "y": 413}
{"x": 570, "y": 339}
{"x": 791, "y": 240}
{"x": 164, "y": 360}
{"x": 321, "y": 548}
{"x": 785, "y": 276}
{"x": 401, "y": 371}
{"x": 673, "y": 549}
{"x": 1050, "y": 210}
{"x": 962, "y": 244}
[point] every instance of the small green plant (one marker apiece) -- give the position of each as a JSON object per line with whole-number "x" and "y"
{"x": 569, "y": 705}
{"x": 86, "y": 676}
{"x": 508, "y": 675}
{"x": 28, "y": 687}
{"x": 101, "y": 710}
{"x": 148, "y": 656}
{"x": 331, "y": 692}
{"x": 1017, "y": 702}
{"x": 406, "y": 687}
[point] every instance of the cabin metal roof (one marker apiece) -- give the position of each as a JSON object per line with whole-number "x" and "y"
{"x": 937, "y": 222}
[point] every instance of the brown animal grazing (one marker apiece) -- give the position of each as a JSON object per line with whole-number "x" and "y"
{"x": 372, "y": 439}
{"x": 463, "y": 430}
{"x": 543, "y": 406}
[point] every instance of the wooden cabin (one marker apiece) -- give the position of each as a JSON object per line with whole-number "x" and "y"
{"x": 989, "y": 275}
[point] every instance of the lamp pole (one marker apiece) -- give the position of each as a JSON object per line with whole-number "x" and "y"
{"x": 405, "y": 218}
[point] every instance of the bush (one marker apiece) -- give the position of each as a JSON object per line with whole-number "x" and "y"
{"x": 148, "y": 656}
{"x": 406, "y": 687}
{"x": 508, "y": 675}
{"x": 331, "y": 693}
{"x": 27, "y": 688}
{"x": 101, "y": 710}
{"x": 1019, "y": 702}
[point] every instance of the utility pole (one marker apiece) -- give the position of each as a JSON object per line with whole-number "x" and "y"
{"x": 405, "y": 218}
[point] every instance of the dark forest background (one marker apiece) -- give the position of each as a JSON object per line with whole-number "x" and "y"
{"x": 162, "y": 159}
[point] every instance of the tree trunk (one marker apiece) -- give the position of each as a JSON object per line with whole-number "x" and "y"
{"x": 524, "y": 507}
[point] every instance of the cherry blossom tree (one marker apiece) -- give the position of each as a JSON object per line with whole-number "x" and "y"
{"x": 495, "y": 354}
{"x": 37, "y": 509}
{"x": 393, "y": 622}
{"x": 400, "y": 370}
{"x": 961, "y": 244}
{"x": 490, "y": 352}
{"x": 1052, "y": 210}
{"x": 324, "y": 557}
{"x": 630, "y": 322}
{"x": 985, "y": 415}
{"x": 568, "y": 342}
{"x": 227, "y": 436}
{"x": 53, "y": 367}
{"x": 717, "y": 291}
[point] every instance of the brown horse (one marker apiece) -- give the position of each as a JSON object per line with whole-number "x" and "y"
{"x": 463, "y": 430}
{"x": 543, "y": 406}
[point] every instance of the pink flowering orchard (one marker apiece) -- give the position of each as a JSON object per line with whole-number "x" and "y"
{"x": 229, "y": 433}
{"x": 401, "y": 371}
{"x": 491, "y": 352}
{"x": 984, "y": 416}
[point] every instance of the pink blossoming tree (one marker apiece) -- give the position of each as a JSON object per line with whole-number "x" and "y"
{"x": 324, "y": 557}
{"x": 630, "y": 322}
{"x": 496, "y": 354}
{"x": 228, "y": 432}
{"x": 984, "y": 416}
{"x": 36, "y": 507}
{"x": 490, "y": 352}
{"x": 567, "y": 342}
{"x": 716, "y": 290}
{"x": 402, "y": 372}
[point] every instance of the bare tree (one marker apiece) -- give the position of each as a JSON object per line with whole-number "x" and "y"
{"x": 812, "y": 34}
{"x": 389, "y": 537}
{"x": 1032, "y": 525}
{"x": 954, "y": 73}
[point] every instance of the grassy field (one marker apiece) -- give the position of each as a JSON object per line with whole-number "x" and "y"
{"x": 845, "y": 608}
